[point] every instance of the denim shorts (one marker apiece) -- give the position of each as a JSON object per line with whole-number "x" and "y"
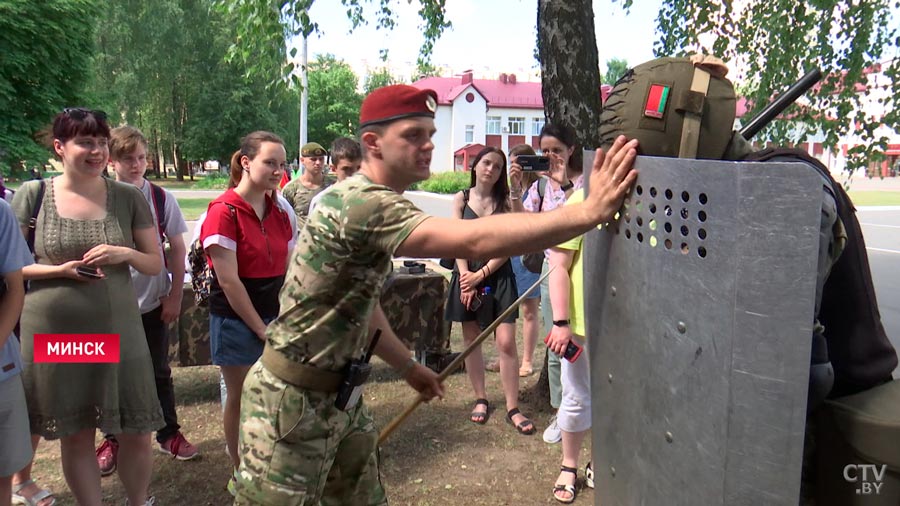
{"x": 232, "y": 342}
{"x": 525, "y": 278}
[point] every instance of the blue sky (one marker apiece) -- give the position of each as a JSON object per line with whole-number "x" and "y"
{"x": 497, "y": 34}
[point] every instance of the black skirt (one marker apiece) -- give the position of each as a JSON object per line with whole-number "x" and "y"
{"x": 503, "y": 294}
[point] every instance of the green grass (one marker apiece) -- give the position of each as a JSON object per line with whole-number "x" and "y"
{"x": 875, "y": 198}
{"x": 445, "y": 182}
{"x": 192, "y": 208}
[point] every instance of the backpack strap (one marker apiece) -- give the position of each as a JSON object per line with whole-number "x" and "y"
{"x": 158, "y": 197}
{"x": 542, "y": 188}
{"x": 692, "y": 108}
{"x": 32, "y": 223}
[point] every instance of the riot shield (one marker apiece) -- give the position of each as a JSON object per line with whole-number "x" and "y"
{"x": 700, "y": 309}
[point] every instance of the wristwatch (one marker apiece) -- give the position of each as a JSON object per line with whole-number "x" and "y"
{"x": 567, "y": 187}
{"x": 561, "y": 323}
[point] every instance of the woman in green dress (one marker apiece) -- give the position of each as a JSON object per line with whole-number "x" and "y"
{"x": 88, "y": 230}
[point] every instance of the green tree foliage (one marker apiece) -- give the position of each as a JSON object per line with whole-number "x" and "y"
{"x": 263, "y": 26}
{"x": 775, "y": 41}
{"x": 45, "y": 51}
{"x": 615, "y": 68}
{"x": 379, "y": 78}
{"x": 333, "y": 100}
{"x": 160, "y": 66}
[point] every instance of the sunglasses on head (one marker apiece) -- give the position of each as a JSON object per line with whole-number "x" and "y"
{"x": 79, "y": 113}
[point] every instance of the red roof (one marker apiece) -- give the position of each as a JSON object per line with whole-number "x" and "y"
{"x": 472, "y": 149}
{"x": 497, "y": 93}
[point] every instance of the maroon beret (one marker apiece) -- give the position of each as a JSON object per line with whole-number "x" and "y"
{"x": 395, "y": 102}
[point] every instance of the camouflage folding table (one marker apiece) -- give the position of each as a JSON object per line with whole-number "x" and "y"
{"x": 413, "y": 303}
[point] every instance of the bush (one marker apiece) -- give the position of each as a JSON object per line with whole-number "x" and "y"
{"x": 445, "y": 182}
{"x": 216, "y": 181}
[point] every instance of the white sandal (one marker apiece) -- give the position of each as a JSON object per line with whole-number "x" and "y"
{"x": 35, "y": 500}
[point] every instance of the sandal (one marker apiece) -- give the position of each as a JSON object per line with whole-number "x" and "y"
{"x": 524, "y": 372}
{"x": 492, "y": 366}
{"x": 34, "y": 500}
{"x": 559, "y": 487}
{"x": 522, "y": 425}
{"x": 480, "y": 417}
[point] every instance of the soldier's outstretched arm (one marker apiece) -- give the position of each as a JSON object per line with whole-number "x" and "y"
{"x": 392, "y": 350}
{"x": 512, "y": 234}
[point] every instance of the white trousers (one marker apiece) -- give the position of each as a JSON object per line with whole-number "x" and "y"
{"x": 575, "y": 409}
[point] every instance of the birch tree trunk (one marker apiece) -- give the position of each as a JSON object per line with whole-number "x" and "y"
{"x": 570, "y": 81}
{"x": 570, "y": 70}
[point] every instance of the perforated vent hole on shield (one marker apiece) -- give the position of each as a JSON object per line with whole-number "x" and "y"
{"x": 674, "y": 218}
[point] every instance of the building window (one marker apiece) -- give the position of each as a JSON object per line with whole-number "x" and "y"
{"x": 492, "y": 126}
{"x": 536, "y": 125}
{"x": 516, "y": 126}
{"x": 470, "y": 133}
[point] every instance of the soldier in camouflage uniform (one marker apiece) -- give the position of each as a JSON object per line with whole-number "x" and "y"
{"x": 296, "y": 446}
{"x": 300, "y": 191}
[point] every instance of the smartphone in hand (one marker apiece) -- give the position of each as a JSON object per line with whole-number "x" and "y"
{"x": 533, "y": 163}
{"x": 573, "y": 349}
{"x": 88, "y": 272}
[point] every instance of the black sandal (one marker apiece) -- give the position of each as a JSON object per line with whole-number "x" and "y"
{"x": 479, "y": 417}
{"x": 521, "y": 428}
{"x": 566, "y": 488}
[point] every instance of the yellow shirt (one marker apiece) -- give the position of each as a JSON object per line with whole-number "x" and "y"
{"x": 576, "y": 275}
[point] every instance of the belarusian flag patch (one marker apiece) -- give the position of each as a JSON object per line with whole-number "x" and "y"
{"x": 656, "y": 101}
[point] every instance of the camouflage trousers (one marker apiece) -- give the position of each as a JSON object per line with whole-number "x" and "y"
{"x": 297, "y": 449}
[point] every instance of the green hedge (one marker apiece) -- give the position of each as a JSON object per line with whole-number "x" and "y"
{"x": 444, "y": 182}
{"x": 211, "y": 182}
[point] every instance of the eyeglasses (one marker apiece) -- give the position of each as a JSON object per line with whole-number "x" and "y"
{"x": 79, "y": 113}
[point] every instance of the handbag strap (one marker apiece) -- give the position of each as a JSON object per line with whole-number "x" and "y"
{"x": 32, "y": 223}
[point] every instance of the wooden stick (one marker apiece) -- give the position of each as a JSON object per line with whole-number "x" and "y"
{"x": 460, "y": 358}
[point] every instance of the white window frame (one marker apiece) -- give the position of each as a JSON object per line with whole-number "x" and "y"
{"x": 516, "y": 125}
{"x": 470, "y": 134}
{"x": 536, "y": 125}
{"x": 492, "y": 125}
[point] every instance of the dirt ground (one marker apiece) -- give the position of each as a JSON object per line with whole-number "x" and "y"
{"x": 437, "y": 457}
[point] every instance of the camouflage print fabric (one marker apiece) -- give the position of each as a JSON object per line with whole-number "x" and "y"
{"x": 189, "y": 344}
{"x": 298, "y": 449}
{"x": 414, "y": 306}
{"x": 337, "y": 272}
{"x": 300, "y": 196}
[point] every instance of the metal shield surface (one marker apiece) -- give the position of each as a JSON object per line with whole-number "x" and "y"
{"x": 700, "y": 308}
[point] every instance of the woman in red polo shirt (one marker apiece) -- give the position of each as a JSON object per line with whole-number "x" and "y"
{"x": 247, "y": 237}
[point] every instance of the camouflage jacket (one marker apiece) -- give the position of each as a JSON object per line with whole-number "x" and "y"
{"x": 337, "y": 271}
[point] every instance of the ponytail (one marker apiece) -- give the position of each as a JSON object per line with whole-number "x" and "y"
{"x": 237, "y": 170}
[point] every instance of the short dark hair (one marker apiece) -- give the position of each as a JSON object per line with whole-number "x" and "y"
{"x": 77, "y": 121}
{"x": 345, "y": 148}
{"x": 378, "y": 129}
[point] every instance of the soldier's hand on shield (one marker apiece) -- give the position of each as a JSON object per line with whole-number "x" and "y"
{"x": 559, "y": 338}
{"x": 425, "y": 381}
{"x": 612, "y": 176}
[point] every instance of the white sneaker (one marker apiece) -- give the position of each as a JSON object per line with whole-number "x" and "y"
{"x": 589, "y": 475}
{"x": 552, "y": 434}
{"x": 150, "y": 502}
